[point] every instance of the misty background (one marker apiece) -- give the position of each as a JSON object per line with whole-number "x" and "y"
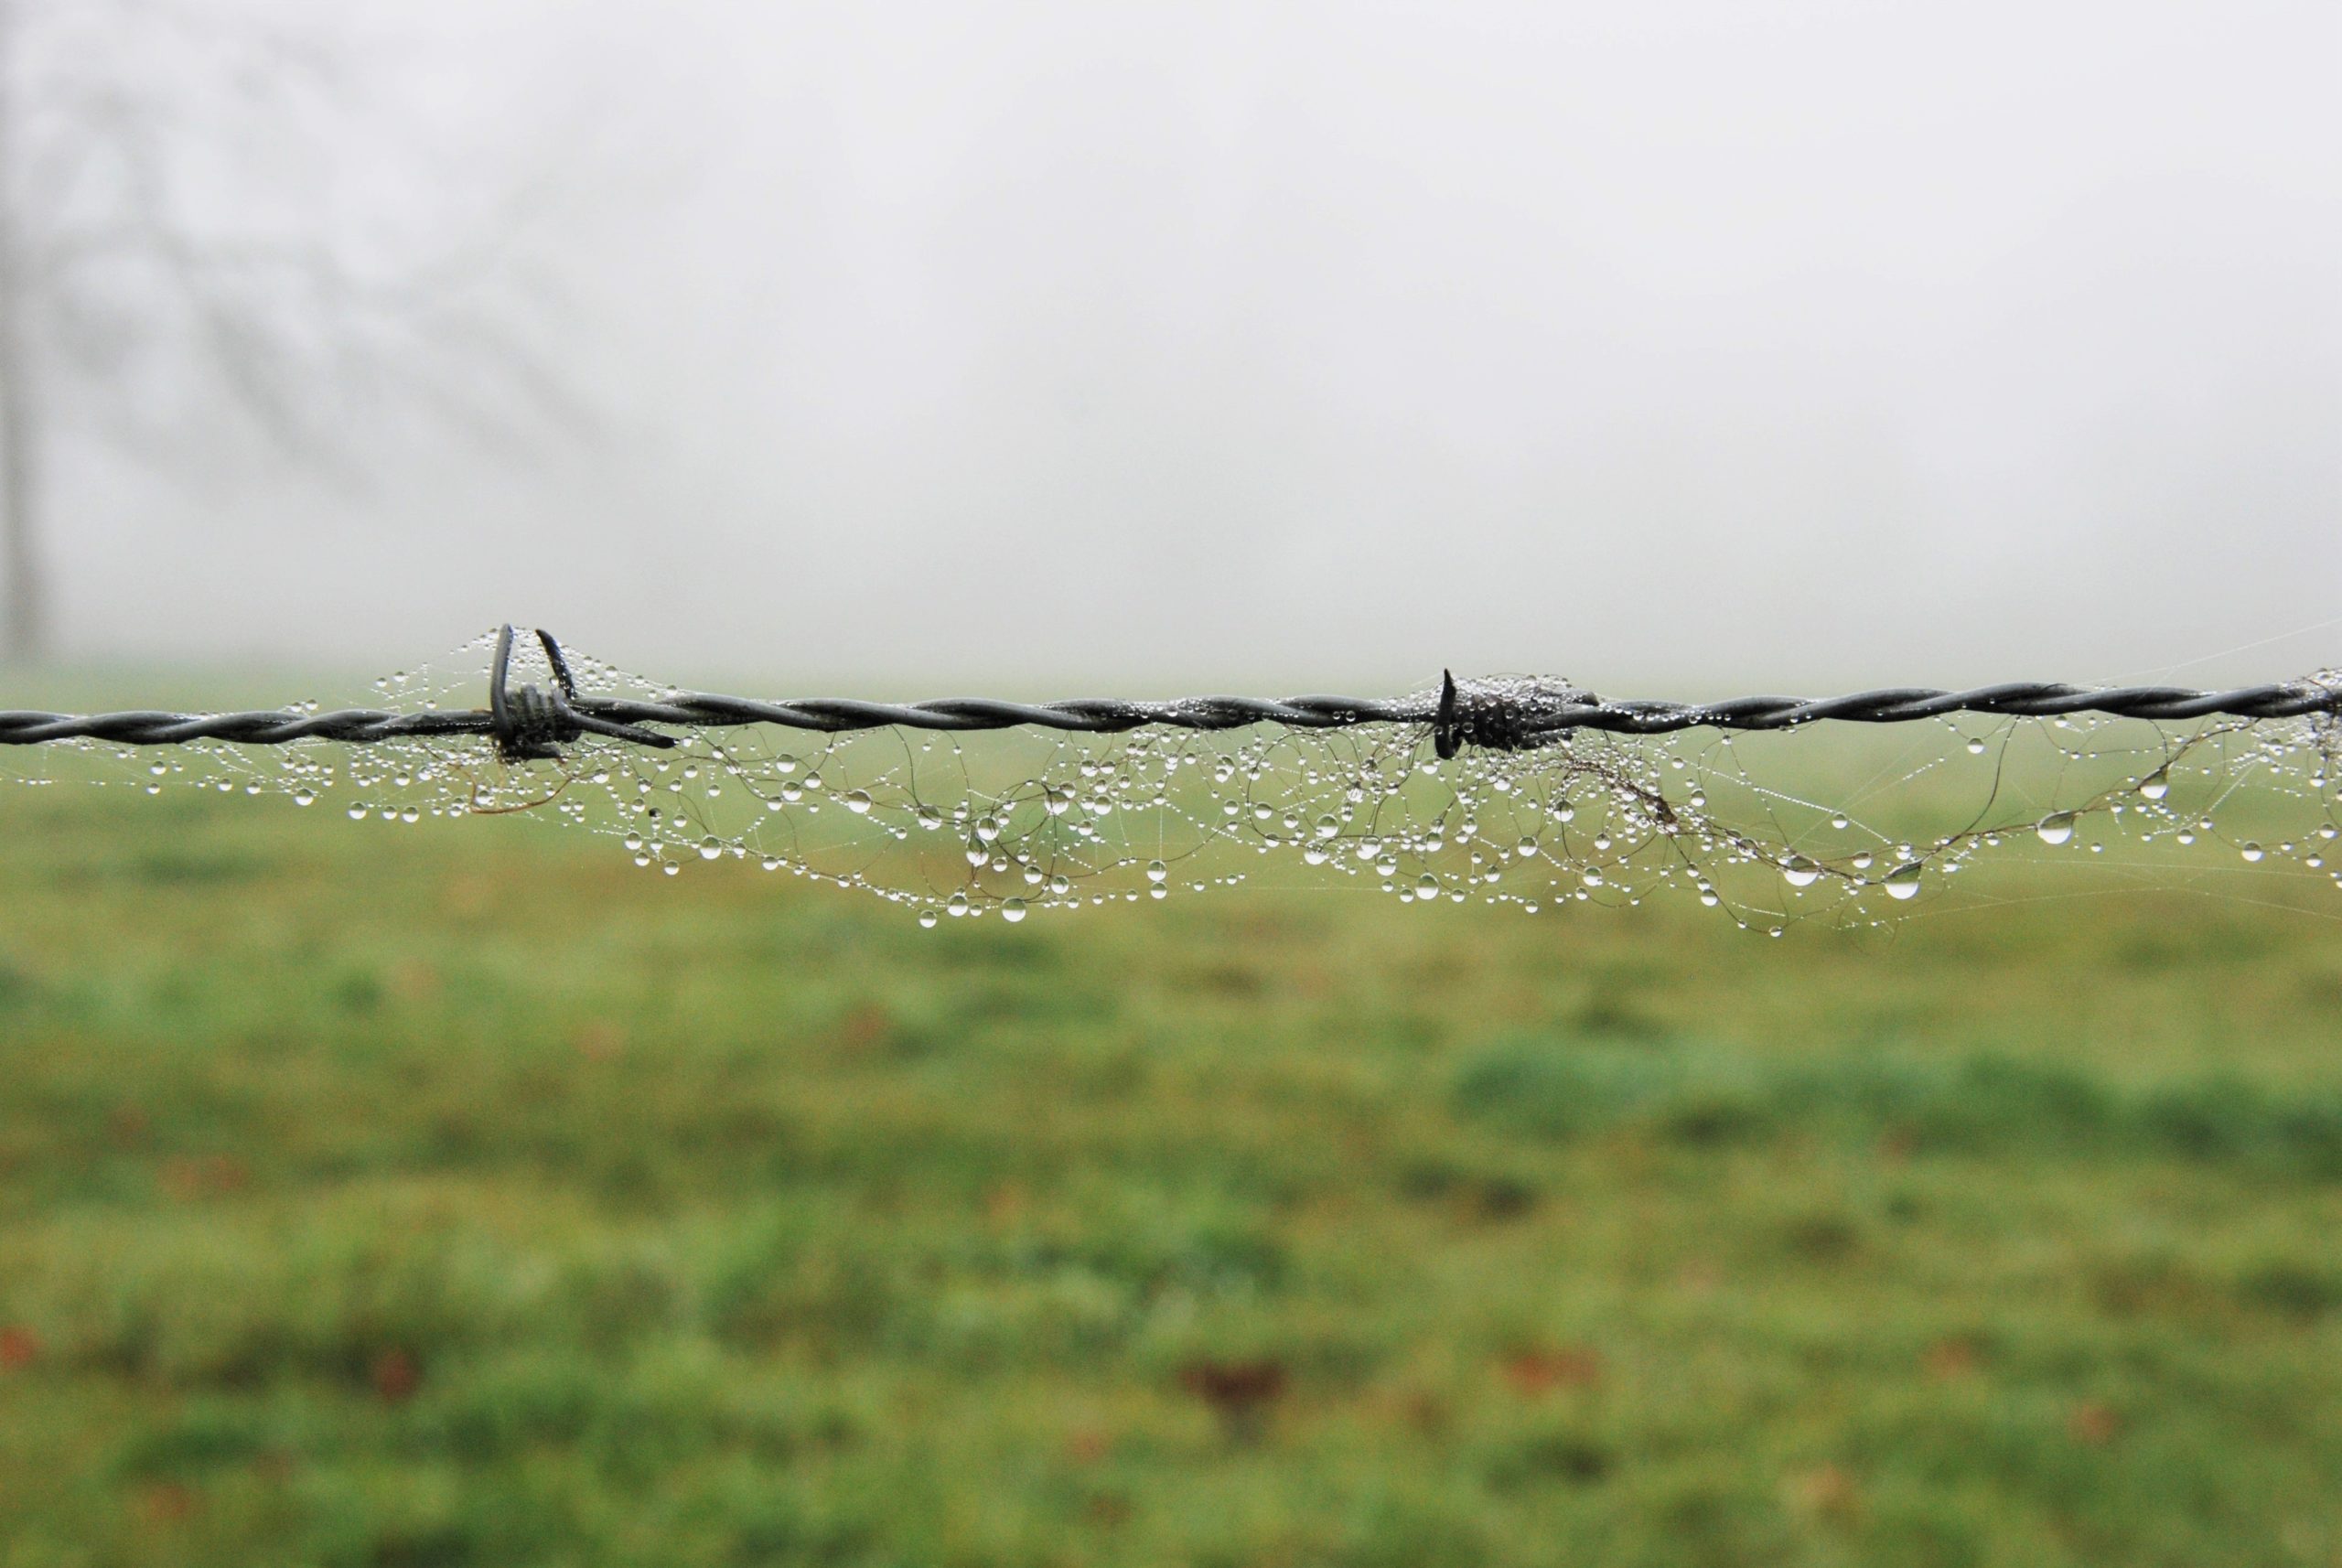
{"x": 911, "y": 349}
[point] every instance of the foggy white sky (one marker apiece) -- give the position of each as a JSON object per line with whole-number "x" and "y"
{"x": 1069, "y": 348}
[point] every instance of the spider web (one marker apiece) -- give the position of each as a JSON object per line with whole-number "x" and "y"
{"x": 1848, "y": 823}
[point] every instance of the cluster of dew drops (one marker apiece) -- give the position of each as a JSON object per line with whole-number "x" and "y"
{"x": 954, "y": 826}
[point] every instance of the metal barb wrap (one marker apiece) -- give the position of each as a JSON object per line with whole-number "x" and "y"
{"x": 532, "y": 724}
{"x": 1503, "y": 715}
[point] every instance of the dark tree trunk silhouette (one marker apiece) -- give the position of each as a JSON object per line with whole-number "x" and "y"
{"x": 27, "y": 608}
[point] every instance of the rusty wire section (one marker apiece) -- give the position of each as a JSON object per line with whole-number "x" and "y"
{"x": 1527, "y": 792}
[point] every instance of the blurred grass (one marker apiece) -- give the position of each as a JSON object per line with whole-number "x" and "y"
{"x": 457, "y": 1194}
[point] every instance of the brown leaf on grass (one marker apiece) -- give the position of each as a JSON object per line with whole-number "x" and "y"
{"x": 1825, "y": 1491}
{"x": 195, "y": 1176}
{"x": 1948, "y": 1360}
{"x": 1005, "y": 1201}
{"x": 395, "y": 1375}
{"x": 1699, "y": 1279}
{"x": 1240, "y": 1393}
{"x": 166, "y": 1503}
{"x": 2093, "y": 1423}
{"x": 599, "y": 1042}
{"x": 866, "y": 1027}
{"x": 413, "y": 979}
{"x": 1233, "y": 1382}
{"x": 468, "y": 897}
{"x": 1424, "y": 1411}
{"x": 1539, "y": 1371}
{"x": 19, "y": 1348}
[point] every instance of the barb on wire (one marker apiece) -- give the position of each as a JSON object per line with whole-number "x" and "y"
{"x": 532, "y": 725}
{"x": 529, "y": 722}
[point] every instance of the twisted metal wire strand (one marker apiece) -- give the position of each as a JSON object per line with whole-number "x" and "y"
{"x": 527, "y": 723}
{"x": 697, "y": 710}
{"x": 2024, "y": 699}
{"x": 1093, "y": 716}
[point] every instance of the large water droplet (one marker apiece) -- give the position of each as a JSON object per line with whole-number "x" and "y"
{"x": 1013, "y": 910}
{"x": 1903, "y": 882}
{"x": 1799, "y": 872}
{"x": 2056, "y": 827}
{"x": 2156, "y": 785}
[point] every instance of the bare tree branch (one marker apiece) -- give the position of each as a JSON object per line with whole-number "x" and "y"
{"x": 127, "y": 281}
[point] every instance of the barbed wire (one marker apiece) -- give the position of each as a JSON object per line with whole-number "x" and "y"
{"x": 1510, "y": 715}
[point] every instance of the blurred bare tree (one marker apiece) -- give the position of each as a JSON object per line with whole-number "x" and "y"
{"x": 216, "y": 210}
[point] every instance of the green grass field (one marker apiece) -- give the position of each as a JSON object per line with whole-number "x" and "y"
{"x": 457, "y": 1194}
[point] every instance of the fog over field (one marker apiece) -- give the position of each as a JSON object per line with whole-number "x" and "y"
{"x": 1674, "y": 348}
